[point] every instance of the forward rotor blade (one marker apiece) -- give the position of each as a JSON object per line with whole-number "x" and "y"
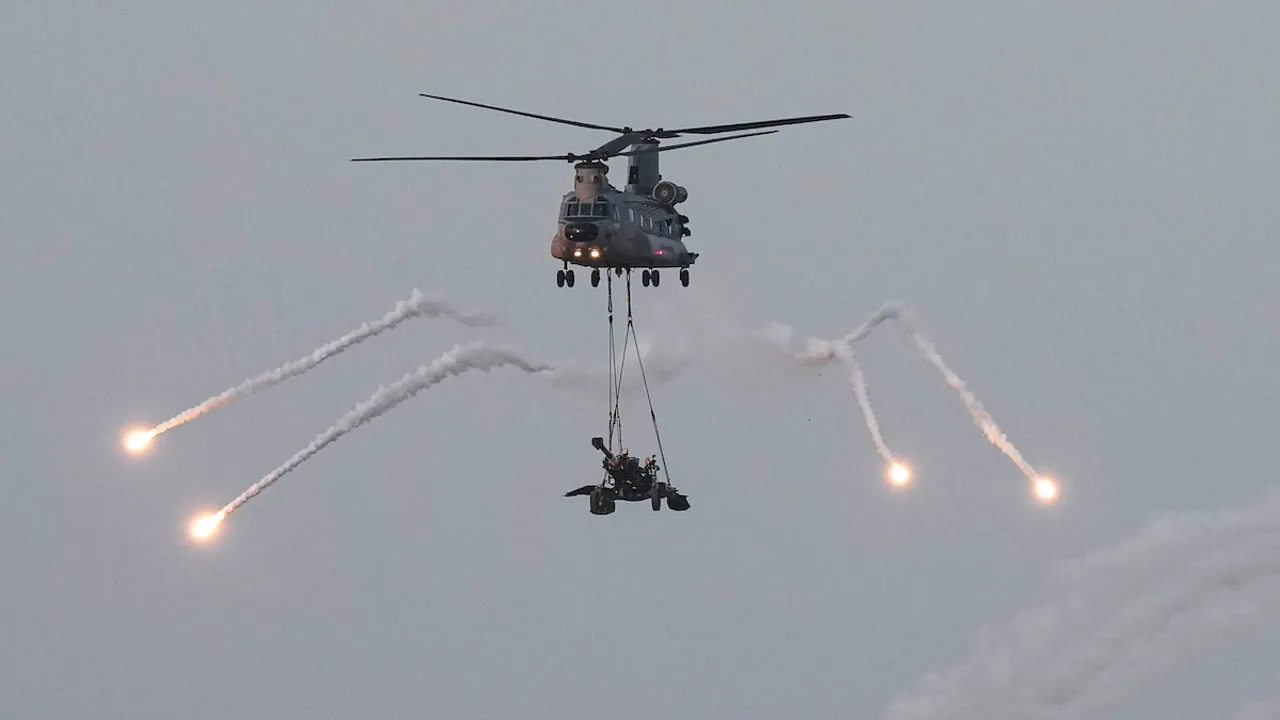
{"x": 595, "y": 154}
{"x": 662, "y": 148}
{"x": 475, "y": 158}
{"x": 526, "y": 114}
{"x": 715, "y": 129}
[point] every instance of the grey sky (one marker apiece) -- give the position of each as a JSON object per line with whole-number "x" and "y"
{"x": 1077, "y": 198}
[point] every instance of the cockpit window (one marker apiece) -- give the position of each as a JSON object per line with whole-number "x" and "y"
{"x": 599, "y": 209}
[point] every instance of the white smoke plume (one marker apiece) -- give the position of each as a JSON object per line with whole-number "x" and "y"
{"x": 1117, "y": 621}
{"x": 980, "y": 415}
{"x": 662, "y": 364}
{"x": 416, "y": 306}
{"x": 1268, "y": 709}
{"x": 847, "y": 355}
{"x": 818, "y": 352}
{"x": 461, "y": 359}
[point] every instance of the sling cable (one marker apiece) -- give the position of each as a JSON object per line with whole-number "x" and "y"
{"x": 617, "y": 364}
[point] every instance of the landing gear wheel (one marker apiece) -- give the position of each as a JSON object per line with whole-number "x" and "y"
{"x": 559, "y": 278}
{"x": 568, "y": 278}
{"x": 617, "y": 271}
{"x": 653, "y": 278}
{"x": 684, "y": 277}
{"x": 644, "y": 278}
{"x": 595, "y": 277}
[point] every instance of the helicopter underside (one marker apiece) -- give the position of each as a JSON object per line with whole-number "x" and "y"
{"x": 645, "y": 253}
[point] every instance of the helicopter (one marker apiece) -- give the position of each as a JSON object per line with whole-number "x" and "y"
{"x": 602, "y": 227}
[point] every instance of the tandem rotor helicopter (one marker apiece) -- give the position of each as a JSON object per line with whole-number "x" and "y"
{"x": 601, "y": 227}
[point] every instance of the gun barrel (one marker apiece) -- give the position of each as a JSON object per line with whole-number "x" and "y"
{"x": 598, "y": 443}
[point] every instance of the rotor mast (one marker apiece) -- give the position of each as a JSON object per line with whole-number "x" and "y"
{"x": 642, "y": 168}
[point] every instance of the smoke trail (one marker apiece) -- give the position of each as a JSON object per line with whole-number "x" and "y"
{"x": 661, "y": 366}
{"x": 462, "y": 358}
{"x": 815, "y": 352}
{"x": 1147, "y": 636}
{"x": 891, "y": 310}
{"x": 1195, "y": 581}
{"x": 980, "y": 415}
{"x": 819, "y": 352}
{"x": 416, "y": 306}
{"x": 850, "y": 359}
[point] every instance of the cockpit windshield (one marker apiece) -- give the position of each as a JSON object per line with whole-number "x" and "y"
{"x": 597, "y": 210}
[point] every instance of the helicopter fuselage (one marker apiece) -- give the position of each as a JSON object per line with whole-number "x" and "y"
{"x": 600, "y": 226}
{"x": 625, "y": 234}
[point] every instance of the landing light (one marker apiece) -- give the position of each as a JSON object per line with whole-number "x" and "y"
{"x": 595, "y": 253}
{"x": 577, "y": 253}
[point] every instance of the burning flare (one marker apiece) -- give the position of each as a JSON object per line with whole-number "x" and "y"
{"x": 137, "y": 440}
{"x": 899, "y": 475}
{"x": 202, "y": 528}
{"x": 418, "y": 305}
{"x": 820, "y": 352}
{"x": 462, "y": 358}
{"x": 1046, "y": 489}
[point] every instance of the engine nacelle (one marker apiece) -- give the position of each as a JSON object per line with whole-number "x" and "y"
{"x": 669, "y": 193}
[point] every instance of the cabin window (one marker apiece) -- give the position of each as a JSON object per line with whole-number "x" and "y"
{"x": 601, "y": 210}
{"x": 577, "y": 178}
{"x": 631, "y": 214}
{"x": 617, "y": 215}
{"x": 633, "y": 175}
{"x": 570, "y": 209}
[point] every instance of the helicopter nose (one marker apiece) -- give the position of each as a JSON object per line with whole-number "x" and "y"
{"x": 581, "y": 232}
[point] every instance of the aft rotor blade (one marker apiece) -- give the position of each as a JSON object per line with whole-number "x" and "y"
{"x": 576, "y": 123}
{"x": 476, "y": 158}
{"x": 715, "y": 129}
{"x": 662, "y": 148}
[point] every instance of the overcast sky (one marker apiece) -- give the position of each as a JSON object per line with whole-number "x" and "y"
{"x": 1079, "y": 199}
